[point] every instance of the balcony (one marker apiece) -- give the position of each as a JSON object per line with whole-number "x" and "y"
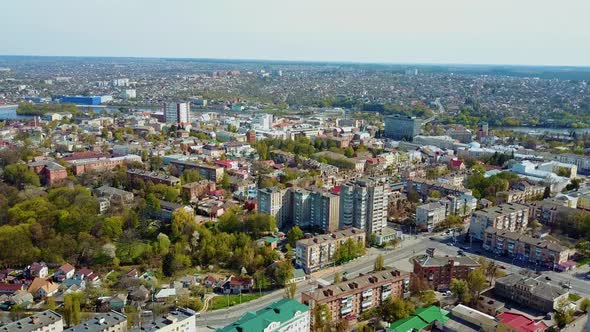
{"x": 366, "y": 304}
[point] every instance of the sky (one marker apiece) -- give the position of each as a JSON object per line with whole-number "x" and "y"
{"x": 530, "y": 32}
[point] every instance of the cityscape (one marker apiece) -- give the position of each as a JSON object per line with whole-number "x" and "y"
{"x": 145, "y": 192}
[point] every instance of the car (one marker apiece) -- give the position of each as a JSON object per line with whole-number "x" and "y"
{"x": 588, "y": 276}
{"x": 503, "y": 267}
{"x": 547, "y": 278}
{"x": 432, "y": 238}
{"x": 567, "y": 286}
{"x": 450, "y": 244}
{"x": 447, "y": 293}
{"x": 460, "y": 253}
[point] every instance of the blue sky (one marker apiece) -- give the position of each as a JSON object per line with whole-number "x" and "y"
{"x": 540, "y": 32}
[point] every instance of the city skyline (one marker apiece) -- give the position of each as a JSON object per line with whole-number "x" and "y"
{"x": 458, "y": 32}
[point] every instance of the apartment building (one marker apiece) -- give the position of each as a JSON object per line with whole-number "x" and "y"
{"x": 177, "y": 113}
{"x": 317, "y": 252}
{"x": 428, "y": 216}
{"x": 510, "y": 216}
{"x": 352, "y": 297}
{"x": 363, "y": 205}
{"x": 401, "y": 127}
{"x": 197, "y": 190}
{"x": 277, "y": 203}
{"x": 520, "y": 196}
{"x": 550, "y": 212}
{"x": 526, "y": 248}
{"x": 301, "y": 207}
{"x": 100, "y": 163}
{"x": 283, "y": 315}
{"x": 531, "y": 291}
{"x": 423, "y": 187}
{"x": 438, "y": 271}
{"x": 324, "y": 210}
{"x": 153, "y": 177}
{"x": 207, "y": 172}
{"x": 45, "y": 321}
{"x": 107, "y": 322}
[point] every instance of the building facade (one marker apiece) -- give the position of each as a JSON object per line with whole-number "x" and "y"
{"x": 286, "y": 315}
{"x": 317, "y": 252}
{"x": 428, "y": 216}
{"x": 324, "y": 210}
{"x": 402, "y": 127}
{"x": 207, "y": 172}
{"x": 525, "y": 248}
{"x": 438, "y": 271}
{"x": 530, "y": 291}
{"x": 275, "y": 202}
{"x": 177, "y": 113}
{"x": 108, "y": 322}
{"x": 510, "y": 216}
{"x": 350, "y": 298}
{"x": 363, "y": 205}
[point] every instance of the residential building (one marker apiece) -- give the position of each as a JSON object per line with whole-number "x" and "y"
{"x": 178, "y": 320}
{"x": 177, "y": 113}
{"x": 438, "y": 271}
{"x": 428, "y": 216}
{"x": 37, "y": 270}
{"x": 461, "y": 205}
{"x": 198, "y": 190}
{"x": 526, "y": 248}
{"x": 281, "y": 316}
{"x": 549, "y": 212}
{"x": 324, "y": 210}
{"x": 49, "y": 171}
{"x": 526, "y": 194}
{"x": 153, "y": 177}
{"x": 277, "y": 203}
{"x": 41, "y": 288}
{"x": 352, "y": 297}
{"x": 100, "y": 163}
{"x": 441, "y": 142}
{"x": 423, "y": 187}
{"x": 401, "y": 127}
{"x": 482, "y": 130}
{"x": 483, "y": 321}
{"x": 423, "y": 318}
{"x": 461, "y": 134}
{"x": 510, "y": 216}
{"x": 64, "y": 272}
{"x": 317, "y": 252}
{"x": 237, "y": 285}
{"x": 107, "y": 322}
{"x": 45, "y": 321}
{"x": 363, "y": 205}
{"x": 207, "y": 172}
{"x": 301, "y": 200}
{"x": 531, "y": 291}
{"x": 512, "y": 321}
{"x": 115, "y": 195}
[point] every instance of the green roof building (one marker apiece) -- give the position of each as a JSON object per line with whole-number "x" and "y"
{"x": 420, "y": 319}
{"x": 283, "y": 315}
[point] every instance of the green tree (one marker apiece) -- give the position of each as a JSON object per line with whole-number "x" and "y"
{"x": 460, "y": 289}
{"x": 563, "y": 314}
{"x": 261, "y": 281}
{"x": 337, "y": 277}
{"x": 585, "y": 304}
{"x": 20, "y": 175}
{"x": 113, "y": 227}
{"x": 393, "y": 309}
{"x": 290, "y": 290}
{"x": 284, "y": 272}
{"x": 293, "y": 235}
{"x": 322, "y": 319}
{"x": 476, "y": 282}
{"x": 189, "y": 176}
{"x": 349, "y": 152}
{"x": 428, "y": 297}
{"x": 225, "y": 181}
{"x": 379, "y": 264}
{"x": 71, "y": 309}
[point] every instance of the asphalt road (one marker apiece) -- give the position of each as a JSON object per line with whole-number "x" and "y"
{"x": 398, "y": 258}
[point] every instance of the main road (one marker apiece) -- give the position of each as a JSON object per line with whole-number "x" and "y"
{"x": 398, "y": 258}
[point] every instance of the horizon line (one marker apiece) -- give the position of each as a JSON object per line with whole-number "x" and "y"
{"x": 307, "y": 61}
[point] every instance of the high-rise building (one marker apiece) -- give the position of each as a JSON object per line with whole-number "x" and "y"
{"x": 363, "y": 204}
{"x": 402, "y": 127}
{"x": 510, "y": 216}
{"x": 301, "y": 200}
{"x": 178, "y": 113}
{"x": 324, "y": 210}
{"x": 275, "y": 202}
{"x": 251, "y": 137}
{"x": 482, "y": 130}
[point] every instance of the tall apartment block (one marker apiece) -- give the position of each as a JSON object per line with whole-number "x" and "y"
{"x": 178, "y": 113}
{"x": 324, "y": 210}
{"x": 277, "y": 203}
{"x": 402, "y": 127}
{"x": 363, "y": 204}
{"x": 317, "y": 252}
{"x": 510, "y": 216}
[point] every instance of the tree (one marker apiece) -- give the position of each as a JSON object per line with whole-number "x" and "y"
{"x": 563, "y": 313}
{"x": 460, "y": 289}
{"x": 585, "y": 304}
{"x": 392, "y": 309}
{"x": 189, "y": 176}
{"x": 476, "y": 282}
{"x": 290, "y": 290}
{"x": 428, "y": 297}
{"x": 547, "y": 193}
{"x": 284, "y": 272}
{"x": 322, "y": 319}
{"x": 293, "y": 235}
{"x": 583, "y": 247}
{"x": 225, "y": 181}
{"x": 491, "y": 269}
{"x": 20, "y": 175}
{"x": 379, "y": 264}
{"x": 337, "y": 277}
{"x": 261, "y": 280}
{"x": 71, "y": 309}
{"x": 349, "y": 152}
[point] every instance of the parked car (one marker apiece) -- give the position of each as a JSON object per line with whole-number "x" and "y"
{"x": 547, "y": 278}
{"x": 503, "y": 267}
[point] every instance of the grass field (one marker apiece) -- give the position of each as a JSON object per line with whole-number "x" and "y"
{"x": 221, "y": 301}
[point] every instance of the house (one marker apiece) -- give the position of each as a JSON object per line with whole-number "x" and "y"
{"x": 115, "y": 302}
{"x": 65, "y": 271}
{"x": 209, "y": 281}
{"x": 133, "y": 273}
{"x": 9, "y": 289}
{"x": 236, "y": 285}
{"x": 511, "y": 321}
{"x": 41, "y": 288}
{"x": 37, "y": 270}
{"x": 139, "y": 295}
{"x": 164, "y": 294}
{"x": 86, "y": 274}
{"x": 22, "y": 298}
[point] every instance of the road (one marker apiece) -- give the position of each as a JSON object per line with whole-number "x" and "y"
{"x": 398, "y": 258}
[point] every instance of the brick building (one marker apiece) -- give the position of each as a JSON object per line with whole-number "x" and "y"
{"x": 438, "y": 271}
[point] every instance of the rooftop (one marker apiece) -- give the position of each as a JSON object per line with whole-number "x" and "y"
{"x": 280, "y": 311}
{"x": 33, "y": 323}
{"x": 434, "y": 261}
{"x": 177, "y": 315}
{"x": 100, "y": 322}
